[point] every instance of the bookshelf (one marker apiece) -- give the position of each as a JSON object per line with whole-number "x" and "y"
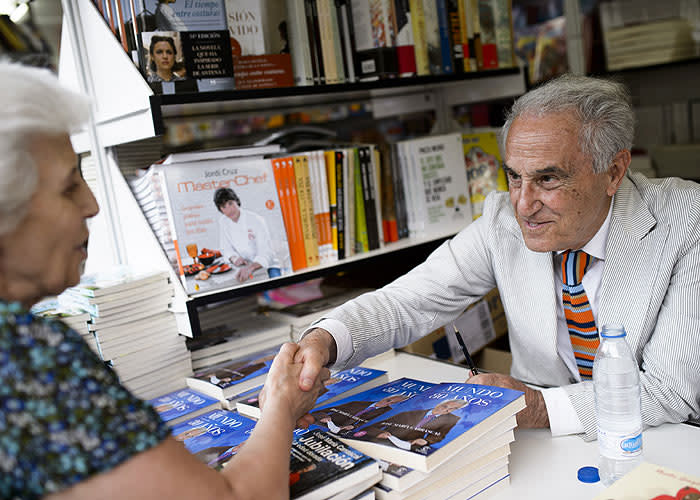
{"x": 128, "y": 114}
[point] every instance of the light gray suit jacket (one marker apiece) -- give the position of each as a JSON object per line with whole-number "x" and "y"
{"x": 650, "y": 284}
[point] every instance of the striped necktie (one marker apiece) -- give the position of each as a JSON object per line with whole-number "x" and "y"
{"x": 577, "y": 310}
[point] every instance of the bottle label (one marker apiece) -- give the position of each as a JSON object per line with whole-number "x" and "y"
{"x": 619, "y": 445}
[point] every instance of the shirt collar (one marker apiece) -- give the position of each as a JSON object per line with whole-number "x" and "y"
{"x": 596, "y": 245}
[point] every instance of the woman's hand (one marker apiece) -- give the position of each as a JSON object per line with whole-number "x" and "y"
{"x": 282, "y": 385}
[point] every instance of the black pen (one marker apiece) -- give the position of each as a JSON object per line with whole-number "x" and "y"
{"x": 470, "y": 363}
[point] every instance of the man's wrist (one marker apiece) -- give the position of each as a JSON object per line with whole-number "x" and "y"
{"x": 323, "y": 337}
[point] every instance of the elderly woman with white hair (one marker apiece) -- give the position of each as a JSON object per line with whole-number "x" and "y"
{"x": 68, "y": 429}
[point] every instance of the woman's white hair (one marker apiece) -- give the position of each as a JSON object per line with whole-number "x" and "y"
{"x": 32, "y": 104}
{"x": 602, "y": 107}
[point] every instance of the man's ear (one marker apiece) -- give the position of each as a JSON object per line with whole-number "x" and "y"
{"x": 617, "y": 170}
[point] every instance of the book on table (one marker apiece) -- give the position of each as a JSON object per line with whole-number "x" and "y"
{"x": 655, "y": 482}
{"x": 233, "y": 377}
{"x": 432, "y": 427}
{"x": 184, "y": 404}
{"x": 341, "y": 384}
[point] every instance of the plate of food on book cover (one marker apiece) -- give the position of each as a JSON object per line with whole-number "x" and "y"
{"x": 192, "y": 269}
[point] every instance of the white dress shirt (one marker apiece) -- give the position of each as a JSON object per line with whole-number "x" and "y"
{"x": 562, "y": 417}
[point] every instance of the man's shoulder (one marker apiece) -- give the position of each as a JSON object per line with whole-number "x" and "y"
{"x": 667, "y": 196}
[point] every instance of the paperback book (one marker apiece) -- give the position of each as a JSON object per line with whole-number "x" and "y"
{"x": 427, "y": 430}
{"x": 484, "y": 172}
{"x": 348, "y": 414}
{"x": 181, "y": 405}
{"x": 214, "y": 437}
{"x": 342, "y": 384}
{"x": 655, "y": 482}
{"x": 233, "y": 377}
{"x": 226, "y": 222}
{"x": 321, "y": 466}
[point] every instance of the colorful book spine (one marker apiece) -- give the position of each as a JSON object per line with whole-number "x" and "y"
{"x": 405, "y": 49}
{"x": 445, "y": 38}
{"x": 368, "y": 197}
{"x": 340, "y": 201}
{"x": 329, "y": 157}
{"x": 296, "y": 244}
{"x": 487, "y": 31}
{"x": 306, "y": 211}
{"x": 455, "y": 21}
{"x": 420, "y": 46}
{"x": 361, "y": 236}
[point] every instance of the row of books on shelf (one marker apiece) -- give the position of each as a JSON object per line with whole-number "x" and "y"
{"x": 244, "y": 44}
{"x": 224, "y": 219}
{"x": 403, "y": 438}
{"x": 124, "y": 318}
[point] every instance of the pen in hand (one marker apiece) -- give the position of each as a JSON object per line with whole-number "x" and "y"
{"x": 470, "y": 363}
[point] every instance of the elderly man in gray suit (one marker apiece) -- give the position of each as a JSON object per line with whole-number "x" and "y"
{"x": 572, "y": 206}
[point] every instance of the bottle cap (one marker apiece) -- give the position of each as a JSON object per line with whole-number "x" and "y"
{"x": 588, "y": 474}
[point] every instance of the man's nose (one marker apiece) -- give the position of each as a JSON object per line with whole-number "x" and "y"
{"x": 528, "y": 201}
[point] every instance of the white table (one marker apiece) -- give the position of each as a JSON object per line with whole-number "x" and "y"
{"x": 543, "y": 467}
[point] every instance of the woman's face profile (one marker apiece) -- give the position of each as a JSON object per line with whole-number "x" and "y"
{"x": 163, "y": 55}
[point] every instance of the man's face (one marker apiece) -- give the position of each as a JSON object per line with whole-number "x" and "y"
{"x": 558, "y": 201}
{"x": 448, "y": 407}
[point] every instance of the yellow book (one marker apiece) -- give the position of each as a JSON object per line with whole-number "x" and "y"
{"x": 306, "y": 209}
{"x": 420, "y": 46}
{"x": 484, "y": 168}
{"x": 332, "y": 197}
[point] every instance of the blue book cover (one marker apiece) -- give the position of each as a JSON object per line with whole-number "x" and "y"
{"x": 177, "y": 406}
{"x": 214, "y": 437}
{"x": 345, "y": 415}
{"x": 233, "y": 377}
{"x": 429, "y": 428}
{"x": 341, "y": 384}
{"x": 445, "y": 43}
{"x": 322, "y": 466}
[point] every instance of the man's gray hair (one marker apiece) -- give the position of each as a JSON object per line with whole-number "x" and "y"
{"x": 32, "y": 104}
{"x": 602, "y": 107}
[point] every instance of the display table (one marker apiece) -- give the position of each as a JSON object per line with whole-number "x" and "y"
{"x": 543, "y": 467}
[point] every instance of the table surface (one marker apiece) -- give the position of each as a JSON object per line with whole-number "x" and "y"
{"x": 544, "y": 467}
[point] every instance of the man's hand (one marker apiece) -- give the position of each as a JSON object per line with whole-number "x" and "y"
{"x": 316, "y": 350}
{"x": 535, "y": 414}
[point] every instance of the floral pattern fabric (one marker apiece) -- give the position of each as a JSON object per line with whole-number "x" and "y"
{"x": 63, "y": 415}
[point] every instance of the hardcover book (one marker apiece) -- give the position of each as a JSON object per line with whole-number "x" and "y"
{"x": 321, "y": 466}
{"x": 183, "y": 404}
{"x": 214, "y": 437}
{"x": 226, "y": 222}
{"x": 429, "y": 429}
{"x": 233, "y": 377}
{"x": 342, "y": 384}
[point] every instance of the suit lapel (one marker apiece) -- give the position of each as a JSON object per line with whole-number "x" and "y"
{"x": 632, "y": 256}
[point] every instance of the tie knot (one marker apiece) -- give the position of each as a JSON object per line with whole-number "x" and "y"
{"x": 574, "y": 265}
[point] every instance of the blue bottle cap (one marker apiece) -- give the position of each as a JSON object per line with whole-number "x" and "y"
{"x": 588, "y": 474}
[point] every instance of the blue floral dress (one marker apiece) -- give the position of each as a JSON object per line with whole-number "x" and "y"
{"x": 63, "y": 415}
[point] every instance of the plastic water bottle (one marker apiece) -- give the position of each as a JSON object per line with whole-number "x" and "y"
{"x": 618, "y": 405}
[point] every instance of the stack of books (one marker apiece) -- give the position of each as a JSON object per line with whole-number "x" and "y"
{"x": 133, "y": 329}
{"x": 321, "y": 466}
{"x": 184, "y": 404}
{"x": 436, "y": 440}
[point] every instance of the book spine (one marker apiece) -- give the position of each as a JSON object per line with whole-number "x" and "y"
{"x": 487, "y": 36}
{"x": 298, "y": 260}
{"x": 327, "y": 49}
{"x": 303, "y": 186}
{"x": 346, "y": 39}
{"x": 432, "y": 36}
{"x": 316, "y": 63}
{"x": 317, "y": 33}
{"x": 455, "y": 23}
{"x": 473, "y": 6}
{"x": 361, "y": 233}
{"x": 369, "y": 196}
{"x": 340, "y": 201}
{"x": 329, "y": 157}
{"x": 445, "y": 38}
{"x": 419, "y": 44}
{"x": 367, "y": 39}
{"x": 388, "y": 52}
{"x": 503, "y": 24}
{"x": 338, "y": 53}
{"x": 399, "y": 202}
{"x": 161, "y": 181}
{"x": 299, "y": 43}
{"x": 350, "y": 213}
{"x": 375, "y": 190}
{"x": 405, "y": 49}
{"x": 323, "y": 218}
{"x": 464, "y": 32}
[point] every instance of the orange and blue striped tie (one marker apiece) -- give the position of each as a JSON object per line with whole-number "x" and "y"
{"x": 577, "y": 310}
